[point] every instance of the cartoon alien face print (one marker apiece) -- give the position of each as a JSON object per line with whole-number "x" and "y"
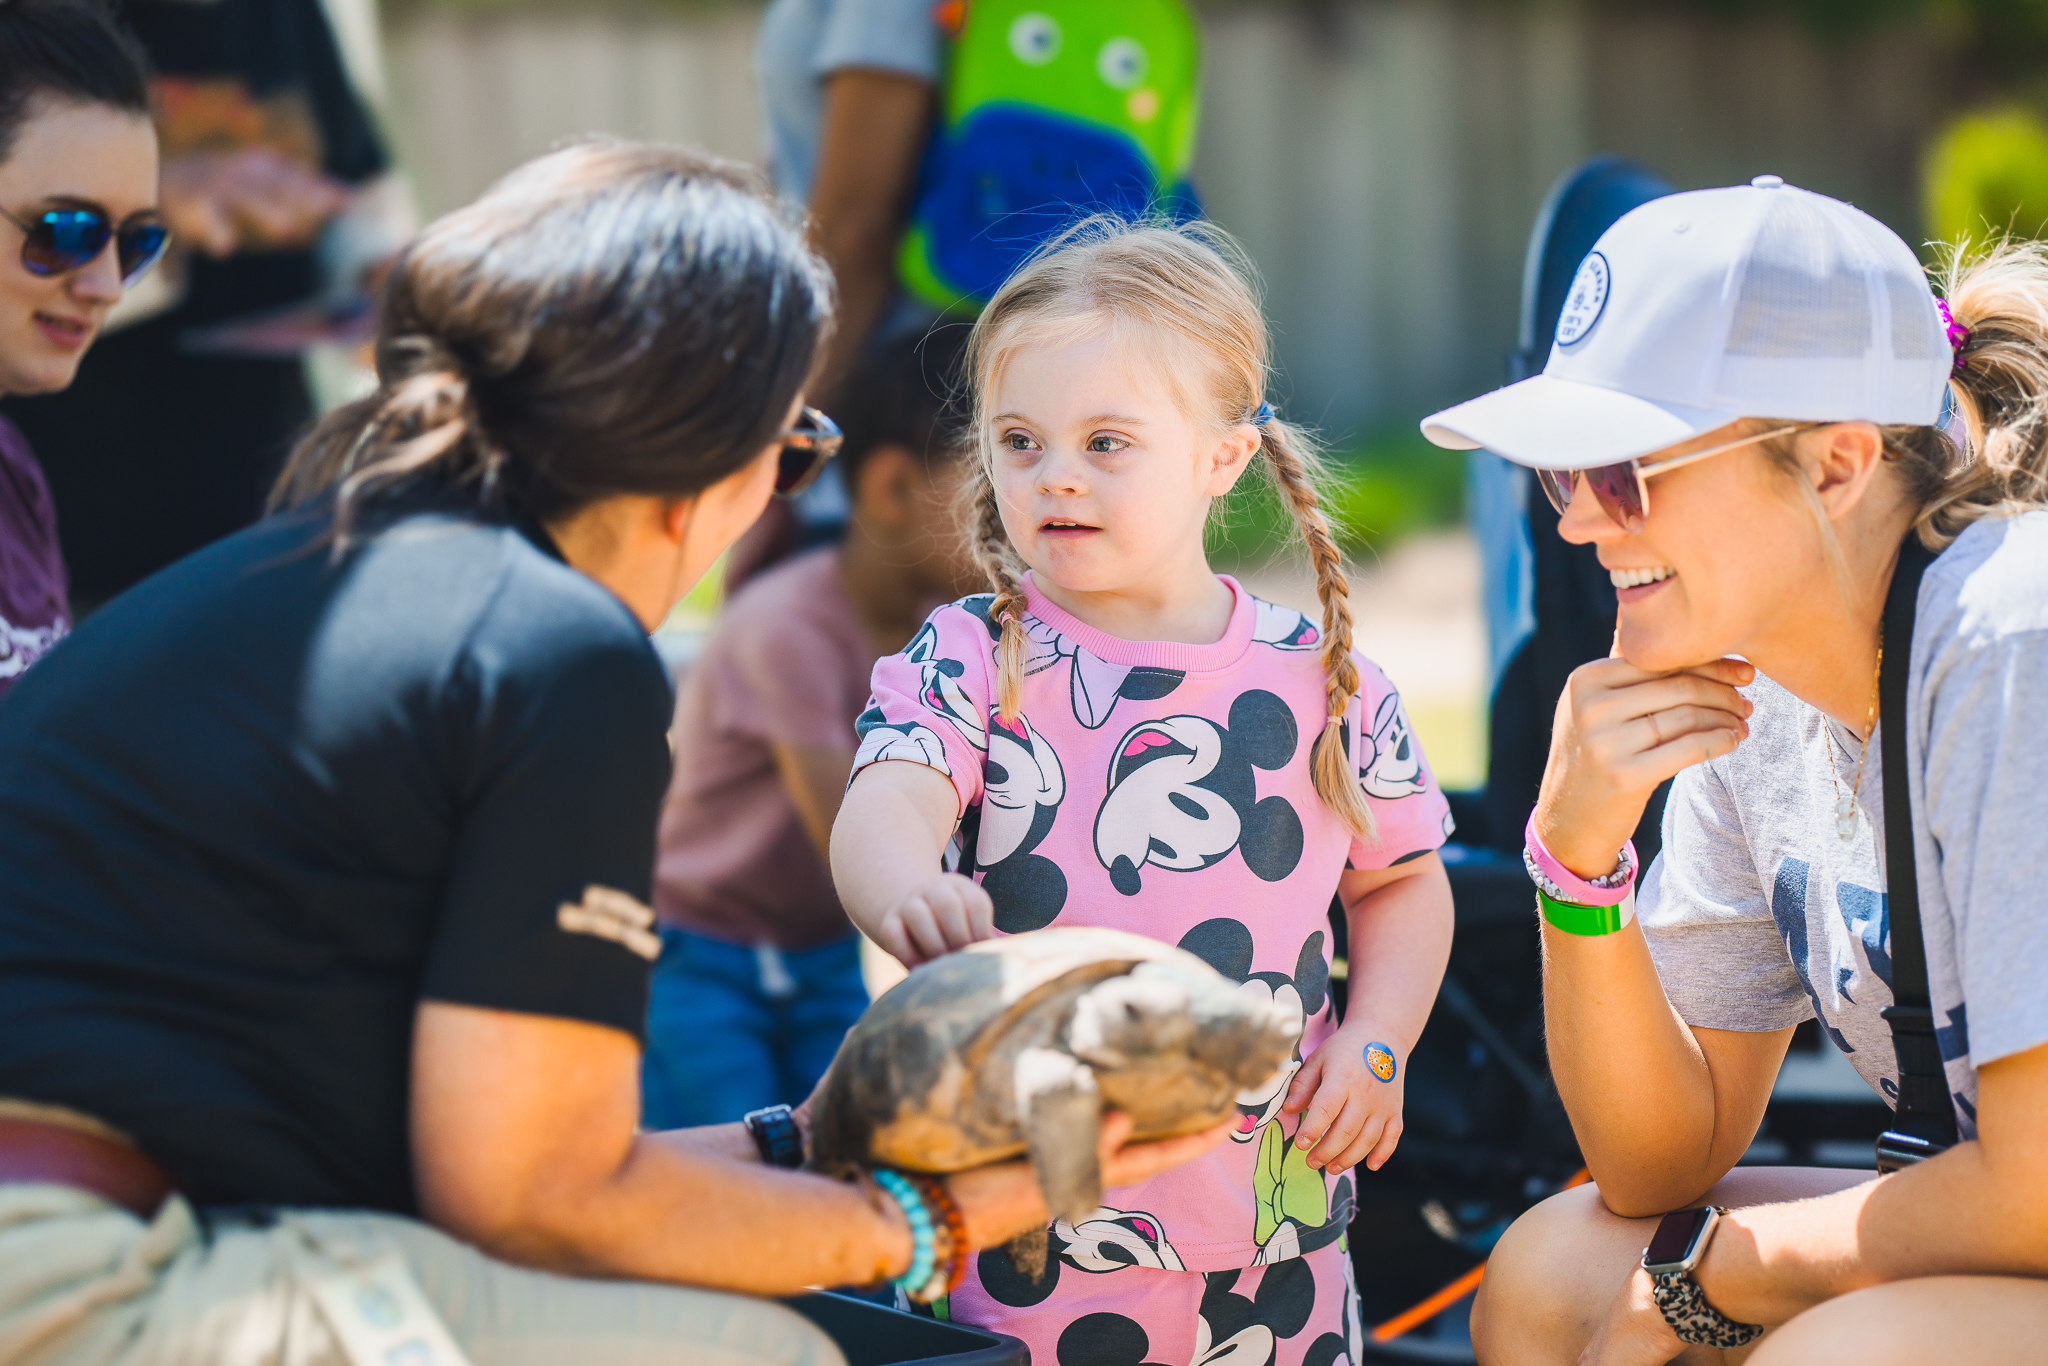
{"x": 1182, "y": 795}
{"x": 939, "y": 687}
{"x": 1393, "y": 766}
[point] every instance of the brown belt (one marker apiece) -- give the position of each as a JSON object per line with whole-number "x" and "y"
{"x": 31, "y": 1150}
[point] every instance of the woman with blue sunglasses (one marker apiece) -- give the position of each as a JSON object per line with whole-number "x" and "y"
{"x": 78, "y": 225}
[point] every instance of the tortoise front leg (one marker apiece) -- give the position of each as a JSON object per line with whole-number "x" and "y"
{"x": 1060, "y": 1110}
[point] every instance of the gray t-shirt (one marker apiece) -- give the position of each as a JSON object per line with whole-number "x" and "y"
{"x": 1759, "y": 915}
{"x": 801, "y": 42}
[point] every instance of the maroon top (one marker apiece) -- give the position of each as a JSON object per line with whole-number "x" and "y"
{"x": 788, "y": 663}
{"x": 34, "y": 614}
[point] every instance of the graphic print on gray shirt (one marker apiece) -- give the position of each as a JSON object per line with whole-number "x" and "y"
{"x": 1759, "y": 915}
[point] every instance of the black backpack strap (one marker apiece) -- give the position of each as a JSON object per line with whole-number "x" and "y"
{"x": 1925, "y": 1111}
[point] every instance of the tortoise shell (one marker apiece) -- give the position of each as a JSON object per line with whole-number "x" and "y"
{"x": 1020, "y": 1043}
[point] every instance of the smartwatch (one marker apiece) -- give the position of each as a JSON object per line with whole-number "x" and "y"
{"x": 775, "y": 1133}
{"x": 1681, "y": 1240}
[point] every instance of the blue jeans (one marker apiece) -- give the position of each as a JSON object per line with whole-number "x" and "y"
{"x": 731, "y": 1028}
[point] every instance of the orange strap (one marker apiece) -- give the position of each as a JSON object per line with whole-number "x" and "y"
{"x": 1416, "y": 1316}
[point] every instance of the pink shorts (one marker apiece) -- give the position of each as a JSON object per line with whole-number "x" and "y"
{"x": 1300, "y": 1312}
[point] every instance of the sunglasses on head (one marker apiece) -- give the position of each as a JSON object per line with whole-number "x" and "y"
{"x": 1623, "y": 489}
{"x": 806, "y": 447}
{"x": 56, "y": 241}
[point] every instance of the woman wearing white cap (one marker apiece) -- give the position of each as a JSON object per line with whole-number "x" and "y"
{"x": 1760, "y": 414}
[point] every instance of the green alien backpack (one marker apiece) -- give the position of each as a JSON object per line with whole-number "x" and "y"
{"x": 1053, "y": 109}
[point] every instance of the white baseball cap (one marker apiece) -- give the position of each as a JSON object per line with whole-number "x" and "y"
{"x": 1758, "y": 300}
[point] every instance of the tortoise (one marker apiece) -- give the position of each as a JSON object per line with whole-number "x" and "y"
{"x": 1018, "y": 1044}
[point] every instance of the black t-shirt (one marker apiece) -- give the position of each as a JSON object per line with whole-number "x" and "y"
{"x": 256, "y": 809}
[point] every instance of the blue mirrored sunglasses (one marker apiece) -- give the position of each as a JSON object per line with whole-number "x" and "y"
{"x": 60, "y": 240}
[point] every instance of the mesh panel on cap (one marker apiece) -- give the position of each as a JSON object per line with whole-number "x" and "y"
{"x": 1912, "y": 338}
{"x": 1805, "y": 291}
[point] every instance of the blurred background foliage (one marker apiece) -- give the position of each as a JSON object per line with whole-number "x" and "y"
{"x": 1988, "y": 174}
{"x": 1375, "y": 492}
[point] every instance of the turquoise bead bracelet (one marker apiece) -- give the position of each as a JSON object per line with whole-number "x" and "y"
{"x": 923, "y": 1249}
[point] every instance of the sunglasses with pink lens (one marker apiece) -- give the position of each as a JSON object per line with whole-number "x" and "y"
{"x": 1623, "y": 489}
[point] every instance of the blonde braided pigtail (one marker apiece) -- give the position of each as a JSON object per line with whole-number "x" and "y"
{"x": 992, "y": 554}
{"x": 1329, "y": 760}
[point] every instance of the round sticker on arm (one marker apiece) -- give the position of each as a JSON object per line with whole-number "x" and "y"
{"x": 1585, "y": 301}
{"x": 1380, "y": 1059}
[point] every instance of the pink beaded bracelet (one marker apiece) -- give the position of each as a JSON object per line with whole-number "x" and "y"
{"x": 1564, "y": 885}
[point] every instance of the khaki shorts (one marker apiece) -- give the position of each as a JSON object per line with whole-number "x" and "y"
{"x": 85, "y": 1283}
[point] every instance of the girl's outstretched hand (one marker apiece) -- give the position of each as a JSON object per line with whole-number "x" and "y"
{"x": 1620, "y": 731}
{"x": 1350, "y": 1108}
{"x": 935, "y": 917}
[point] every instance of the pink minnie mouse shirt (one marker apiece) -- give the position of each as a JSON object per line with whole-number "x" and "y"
{"x": 1164, "y": 789}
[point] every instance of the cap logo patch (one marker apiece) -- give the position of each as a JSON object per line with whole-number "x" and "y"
{"x": 1585, "y": 301}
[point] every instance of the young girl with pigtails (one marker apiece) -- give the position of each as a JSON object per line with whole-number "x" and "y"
{"x": 1118, "y": 736}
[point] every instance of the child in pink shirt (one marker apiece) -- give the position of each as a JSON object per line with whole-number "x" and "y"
{"x": 1118, "y": 736}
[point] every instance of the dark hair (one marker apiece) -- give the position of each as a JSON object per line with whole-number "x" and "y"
{"x": 906, "y": 392}
{"x": 69, "y": 50}
{"x": 614, "y": 317}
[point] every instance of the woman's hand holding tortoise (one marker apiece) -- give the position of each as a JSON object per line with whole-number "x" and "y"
{"x": 1001, "y": 1201}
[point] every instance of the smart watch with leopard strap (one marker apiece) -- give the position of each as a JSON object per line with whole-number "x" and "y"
{"x": 1680, "y": 1242}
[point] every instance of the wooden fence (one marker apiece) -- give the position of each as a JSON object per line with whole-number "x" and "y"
{"x": 1382, "y": 159}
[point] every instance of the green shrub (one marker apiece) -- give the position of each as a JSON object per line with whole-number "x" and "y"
{"x": 1987, "y": 174}
{"x": 1377, "y": 492}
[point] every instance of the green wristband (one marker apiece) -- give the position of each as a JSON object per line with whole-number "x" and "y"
{"x": 1581, "y": 920}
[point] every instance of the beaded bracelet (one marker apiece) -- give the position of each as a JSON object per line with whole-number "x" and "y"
{"x": 921, "y": 1236}
{"x": 1562, "y": 884}
{"x": 937, "y": 1198}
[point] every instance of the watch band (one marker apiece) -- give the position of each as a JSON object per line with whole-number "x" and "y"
{"x": 774, "y": 1132}
{"x": 1678, "y": 1296}
{"x": 1697, "y": 1323}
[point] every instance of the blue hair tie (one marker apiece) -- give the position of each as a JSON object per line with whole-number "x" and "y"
{"x": 1263, "y": 415}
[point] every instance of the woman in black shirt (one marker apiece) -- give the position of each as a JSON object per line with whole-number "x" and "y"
{"x": 324, "y": 852}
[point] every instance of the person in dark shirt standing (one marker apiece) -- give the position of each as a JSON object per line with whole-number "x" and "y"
{"x": 78, "y": 223}
{"x": 160, "y": 448}
{"x": 325, "y": 852}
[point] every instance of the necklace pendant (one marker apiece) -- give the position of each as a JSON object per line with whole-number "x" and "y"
{"x": 1845, "y": 817}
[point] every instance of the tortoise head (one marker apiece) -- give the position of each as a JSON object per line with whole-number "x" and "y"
{"x": 1169, "y": 1008}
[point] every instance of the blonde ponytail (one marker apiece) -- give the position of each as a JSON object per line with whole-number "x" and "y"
{"x": 2000, "y": 385}
{"x": 1184, "y": 293}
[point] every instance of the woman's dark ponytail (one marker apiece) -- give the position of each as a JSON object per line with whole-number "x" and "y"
{"x": 421, "y": 420}
{"x": 66, "y": 50}
{"x": 614, "y": 317}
